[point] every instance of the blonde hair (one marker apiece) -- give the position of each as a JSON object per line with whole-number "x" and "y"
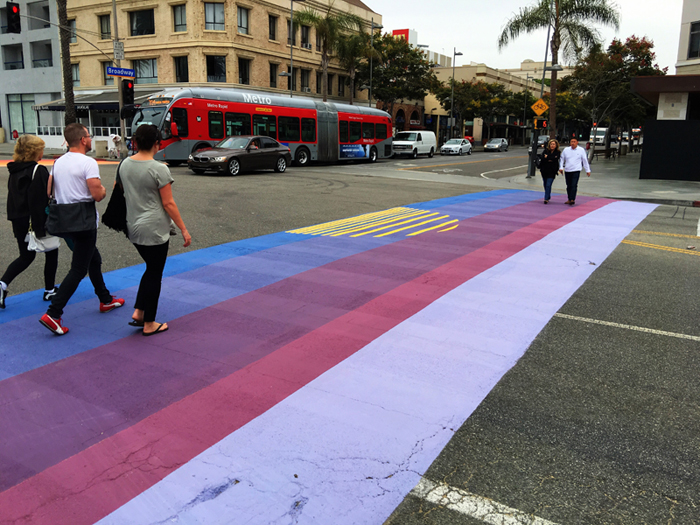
{"x": 27, "y": 148}
{"x": 555, "y": 142}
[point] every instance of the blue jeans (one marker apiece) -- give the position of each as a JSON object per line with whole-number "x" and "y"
{"x": 548, "y": 188}
{"x": 571, "y": 184}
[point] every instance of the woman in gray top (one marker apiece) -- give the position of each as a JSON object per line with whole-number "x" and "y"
{"x": 150, "y": 213}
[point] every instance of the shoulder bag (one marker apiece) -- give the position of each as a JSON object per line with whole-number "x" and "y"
{"x": 114, "y": 216}
{"x": 70, "y": 218}
{"x": 40, "y": 244}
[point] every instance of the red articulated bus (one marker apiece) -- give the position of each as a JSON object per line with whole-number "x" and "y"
{"x": 196, "y": 118}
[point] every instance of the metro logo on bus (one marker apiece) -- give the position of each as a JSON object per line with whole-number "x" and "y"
{"x": 256, "y": 99}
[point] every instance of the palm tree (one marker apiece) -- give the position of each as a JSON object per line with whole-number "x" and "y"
{"x": 571, "y": 32}
{"x": 351, "y": 50}
{"x": 65, "y": 36}
{"x": 330, "y": 27}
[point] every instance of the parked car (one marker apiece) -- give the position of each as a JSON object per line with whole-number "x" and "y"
{"x": 414, "y": 143}
{"x": 234, "y": 155}
{"x": 496, "y": 145}
{"x": 456, "y": 147}
{"x": 470, "y": 139}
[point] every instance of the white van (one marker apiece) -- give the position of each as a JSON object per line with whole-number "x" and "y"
{"x": 415, "y": 143}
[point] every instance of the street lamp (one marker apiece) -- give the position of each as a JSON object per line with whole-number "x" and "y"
{"x": 371, "y": 54}
{"x": 526, "y": 97}
{"x": 455, "y": 54}
{"x": 290, "y": 74}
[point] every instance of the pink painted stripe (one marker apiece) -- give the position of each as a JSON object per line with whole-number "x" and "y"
{"x": 89, "y": 485}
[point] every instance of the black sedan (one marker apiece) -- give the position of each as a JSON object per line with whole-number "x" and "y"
{"x": 236, "y": 154}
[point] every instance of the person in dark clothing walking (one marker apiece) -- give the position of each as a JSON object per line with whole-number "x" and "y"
{"x": 549, "y": 166}
{"x": 26, "y": 204}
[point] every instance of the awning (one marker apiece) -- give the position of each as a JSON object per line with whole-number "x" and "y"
{"x": 649, "y": 88}
{"x": 104, "y": 101}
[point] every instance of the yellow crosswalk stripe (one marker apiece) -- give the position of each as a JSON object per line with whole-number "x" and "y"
{"x": 417, "y": 218}
{"x": 434, "y": 228}
{"x": 351, "y": 228}
{"x": 411, "y": 226}
{"x": 325, "y": 225}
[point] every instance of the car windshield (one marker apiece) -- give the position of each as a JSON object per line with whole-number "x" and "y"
{"x": 148, "y": 116}
{"x": 495, "y": 141}
{"x": 405, "y": 136}
{"x": 233, "y": 143}
{"x": 543, "y": 138}
{"x": 454, "y": 141}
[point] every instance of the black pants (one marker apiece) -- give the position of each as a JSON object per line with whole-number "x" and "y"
{"x": 571, "y": 184}
{"x": 149, "y": 288}
{"x": 86, "y": 260}
{"x": 20, "y": 227}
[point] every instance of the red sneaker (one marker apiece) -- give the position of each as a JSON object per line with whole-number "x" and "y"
{"x": 53, "y": 324}
{"x": 111, "y": 305}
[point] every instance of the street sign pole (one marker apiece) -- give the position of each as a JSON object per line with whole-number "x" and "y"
{"x": 122, "y": 125}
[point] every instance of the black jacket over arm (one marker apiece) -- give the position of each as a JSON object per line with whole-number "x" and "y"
{"x": 549, "y": 165}
{"x": 27, "y": 197}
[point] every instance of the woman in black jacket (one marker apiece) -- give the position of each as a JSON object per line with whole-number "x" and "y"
{"x": 27, "y": 200}
{"x": 549, "y": 166}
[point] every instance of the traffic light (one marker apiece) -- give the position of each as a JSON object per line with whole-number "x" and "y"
{"x": 13, "y": 24}
{"x": 544, "y": 124}
{"x": 127, "y": 92}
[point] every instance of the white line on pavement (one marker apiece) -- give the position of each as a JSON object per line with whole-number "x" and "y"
{"x": 629, "y": 327}
{"x": 473, "y": 506}
{"x": 698, "y": 234}
{"x": 507, "y": 169}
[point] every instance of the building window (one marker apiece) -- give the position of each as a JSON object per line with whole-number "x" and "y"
{"x": 13, "y": 57}
{"x": 216, "y": 68}
{"x": 182, "y": 73}
{"x": 243, "y": 20}
{"x": 146, "y": 71}
{"x": 272, "y": 21}
{"x": 73, "y": 31}
{"x": 273, "y": 75}
{"x": 341, "y": 86}
{"x": 330, "y": 85}
{"x": 142, "y": 22}
{"x": 21, "y": 115}
{"x": 180, "y": 18}
{"x": 105, "y": 28}
{"x": 243, "y": 71}
{"x": 305, "y": 79}
{"x": 291, "y": 39}
{"x": 694, "y": 45}
{"x": 108, "y": 80}
{"x": 214, "y": 17}
{"x": 75, "y": 72}
{"x": 319, "y": 82}
{"x": 306, "y": 37}
{"x": 318, "y": 42}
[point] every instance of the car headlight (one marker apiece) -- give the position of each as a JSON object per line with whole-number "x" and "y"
{"x": 219, "y": 159}
{"x": 190, "y": 157}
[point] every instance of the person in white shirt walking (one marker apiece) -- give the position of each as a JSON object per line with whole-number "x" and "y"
{"x": 573, "y": 160}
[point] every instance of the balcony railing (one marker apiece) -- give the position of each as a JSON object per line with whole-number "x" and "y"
{"x": 19, "y": 64}
{"x": 42, "y": 62}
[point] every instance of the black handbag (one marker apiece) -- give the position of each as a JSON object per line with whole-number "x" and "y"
{"x": 114, "y": 216}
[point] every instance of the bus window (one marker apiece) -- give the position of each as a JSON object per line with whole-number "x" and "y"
{"x": 308, "y": 130}
{"x": 381, "y": 131}
{"x": 265, "y": 125}
{"x": 237, "y": 124}
{"x": 216, "y": 124}
{"x": 180, "y": 119}
{"x": 289, "y": 129}
{"x": 343, "y": 130}
{"x": 355, "y": 131}
{"x": 367, "y": 130}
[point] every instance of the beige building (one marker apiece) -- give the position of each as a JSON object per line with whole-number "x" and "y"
{"x": 226, "y": 43}
{"x": 534, "y": 70}
{"x": 689, "y": 45}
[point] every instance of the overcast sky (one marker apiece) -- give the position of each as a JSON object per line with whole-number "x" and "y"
{"x": 473, "y": 26}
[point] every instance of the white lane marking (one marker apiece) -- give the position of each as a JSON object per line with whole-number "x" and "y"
{"x": 629, "y": 327}
{"x": 473, "y": 506}
{"x": 507, "y": 169}
{"x": 698, "y": 231}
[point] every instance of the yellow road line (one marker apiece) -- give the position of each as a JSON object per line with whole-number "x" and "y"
{"x": 411, "y": 226}
{"x": 434, "y": 228}
{"x": 396, "y": 224}
{"x": 659, "y": 247}
{"x": 448, "y": 229}
{"x": 389, "y": 222}
{"x": 666, "y": 234}
{"x": 323, "y": 226}
{"x": 461, "y": 163}
{"x": 361, "y": 225}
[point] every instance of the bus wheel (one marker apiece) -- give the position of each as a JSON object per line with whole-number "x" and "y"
{"x": 415, "y": 153}
{"x": 174, "y": 163}
{"x": 234, "y": 167}
{"x": 373, "y": 154}
{"x": 302, "y": 157}
{"x": 432, "y": 152}
{"x": 281, "y": 165}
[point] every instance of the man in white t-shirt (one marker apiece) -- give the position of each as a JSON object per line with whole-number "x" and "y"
{"x": 573, "y": 159}
{"x": 75, "y": 177}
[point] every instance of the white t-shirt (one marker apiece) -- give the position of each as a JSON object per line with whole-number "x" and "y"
{"x": 70, "y": 174}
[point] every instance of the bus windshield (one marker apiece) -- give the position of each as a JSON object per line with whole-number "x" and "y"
{"x": 148, "y": 116}
{"x": 405, "y": 136}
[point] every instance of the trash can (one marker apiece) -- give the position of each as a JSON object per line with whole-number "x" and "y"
{"x": 623, "y": 149}
{"x": 101, "y": 148}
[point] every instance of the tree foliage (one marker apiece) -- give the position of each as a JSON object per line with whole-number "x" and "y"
{"x": 351, "y": 51}
{"x": 399, "y": 72}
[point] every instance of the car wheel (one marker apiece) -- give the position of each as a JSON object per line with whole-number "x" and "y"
{"x": 302, "y": 157}
{"x": 415, "y": 153}
{"x": 234, "y": 167}
{"x": 460, "y": 152}
{"x": 373, "y": 154}
{"x": 281, "y": 165}
{"x": 469, "y": 151}
{"x": 432, "y": 152}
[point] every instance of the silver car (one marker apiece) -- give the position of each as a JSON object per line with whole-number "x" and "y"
{"x": 496, "y": 145}
{"x": 456, "y": 147}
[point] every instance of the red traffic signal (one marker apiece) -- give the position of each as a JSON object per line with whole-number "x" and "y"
{"x": 13, "y": 23}
{"x": 544, "y": 124}
{"x": 127, "y": 92}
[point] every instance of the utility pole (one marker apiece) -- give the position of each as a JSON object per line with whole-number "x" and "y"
{"x": 122, "y": 124}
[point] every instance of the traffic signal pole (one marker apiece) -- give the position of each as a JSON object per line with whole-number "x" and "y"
{"x": 122, "y": 125}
